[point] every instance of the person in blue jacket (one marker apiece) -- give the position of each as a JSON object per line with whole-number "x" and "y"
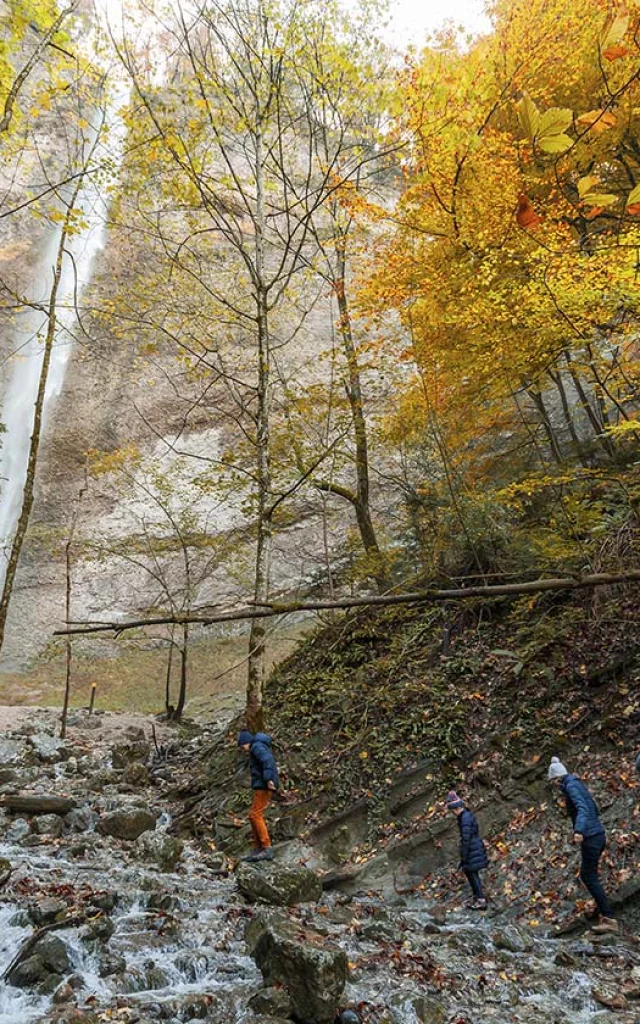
{"x": 589, "y": 834}
{"x": 473, "y": 855}
{"x": 264, "y": 783}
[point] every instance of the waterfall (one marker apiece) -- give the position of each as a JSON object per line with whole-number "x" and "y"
{"x": 25, "y": 362}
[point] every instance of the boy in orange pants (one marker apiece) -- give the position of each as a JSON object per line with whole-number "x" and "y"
{"x": 264, "y": 782}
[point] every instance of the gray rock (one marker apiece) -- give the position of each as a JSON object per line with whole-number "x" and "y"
{"x": 48, "y": 957}
{"x": 275, "y": 1002}
{"x": 136, "y": 775}
{"x": 428, "y": 1010}
{"x": 47, "y": 910}
{"x": 160, "y": 848}
{"x": 106, "y": 900}
{"x": 28, "y": 973}
{"x": 111, "y": 963}
{"x": 48, "y": 749}
{"x": 47, "y": 825}
{"x": 128, "y": 823}
{"x": 17, "y": 831}
{"x": 11, "y": 752}
{"x": 53, "y": 953}
{"x": 82, "y": 819}
{"x": 127, "y": 753}
{"x": 99, "y": 930}
{"x": 513, "y": 939}
{"x": 281, "y": 886}
{"x": 313, "y": 972}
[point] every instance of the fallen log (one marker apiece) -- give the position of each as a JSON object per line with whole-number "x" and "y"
{"x": 270, "y": 610}
{"x": 37, "y": 803}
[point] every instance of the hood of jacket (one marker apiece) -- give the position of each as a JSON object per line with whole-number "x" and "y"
{"x": 262, "y": 737}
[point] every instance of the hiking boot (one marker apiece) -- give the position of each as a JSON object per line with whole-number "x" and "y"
{"x": 607, "y": 925}
{"x": 254, "y": 855}
{"x": 479, "y": 905}
{"x": 266, "y": 854}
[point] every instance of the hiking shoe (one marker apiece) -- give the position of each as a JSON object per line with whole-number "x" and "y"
{"x": 266, "y": 854}
{"x": 479, "y": 905}
{"x": 607, "y": 925}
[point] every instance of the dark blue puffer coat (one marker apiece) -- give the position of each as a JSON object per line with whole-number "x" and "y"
{"x": 581, "y": 807}
{"x": 262, "y": 762}
{"x": 473, "y": 855}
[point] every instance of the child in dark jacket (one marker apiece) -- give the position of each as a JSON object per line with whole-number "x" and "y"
{"x": 589, "y": 834}
{"x": 473, "y": 855}
{"x": 264, "y": 783}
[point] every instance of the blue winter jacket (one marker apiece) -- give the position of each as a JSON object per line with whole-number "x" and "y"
{"x": 262, "y": 762}
{"x": 581, "y": 806}
{"x": 473, "y": 855}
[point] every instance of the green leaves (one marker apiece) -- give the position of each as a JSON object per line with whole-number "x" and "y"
{"x": 547, "y": 130}
{"x": 633, "y": 197}
{"x": 588, "y": 195}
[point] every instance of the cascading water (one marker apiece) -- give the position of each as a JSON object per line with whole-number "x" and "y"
{"x": 23, "y": 367}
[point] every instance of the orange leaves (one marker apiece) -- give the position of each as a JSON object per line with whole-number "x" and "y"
{"x": 526, "y": 215}
{"x": 616, "y": 52}
{"x": 597, "y": 120}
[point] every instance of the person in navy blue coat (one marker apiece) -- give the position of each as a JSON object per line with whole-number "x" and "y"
{"x": 473, "y": 854}
{"x": 589, "y": 834}
{"x": 264, "y": 783}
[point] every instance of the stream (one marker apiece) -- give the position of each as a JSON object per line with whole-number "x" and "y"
{"x": 168, "y": 944}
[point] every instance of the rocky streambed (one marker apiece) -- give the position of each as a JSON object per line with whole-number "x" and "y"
{"x": 106, "y": 916}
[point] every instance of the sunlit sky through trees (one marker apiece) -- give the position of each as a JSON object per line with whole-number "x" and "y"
{"x": 412, "y": 19}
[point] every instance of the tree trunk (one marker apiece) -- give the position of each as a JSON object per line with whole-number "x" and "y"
{"x": 537, "y": 400}
{"x": 257, "y": 634}
{"x": 169, "y": 708}
{"x": 568, "y": 417}
{"x": 588, "y": 409}
{"x": 34, "y": 446}
{"x": 354, "y": 395}
{"x": 68, "y": 581}
{"x": 184, "y": 651}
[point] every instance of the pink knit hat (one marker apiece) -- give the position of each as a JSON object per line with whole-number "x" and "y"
{"x": 453, "y": 801}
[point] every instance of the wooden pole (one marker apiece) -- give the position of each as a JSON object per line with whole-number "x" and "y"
{"x": 92, "y": 698}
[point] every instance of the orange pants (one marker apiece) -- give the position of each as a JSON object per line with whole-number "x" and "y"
{"x": 259, "y": 804}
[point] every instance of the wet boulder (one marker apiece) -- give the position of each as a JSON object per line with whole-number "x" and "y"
{"x": 18, "y": 831}
{"x": 48, "y": 825}
{"x": 427, "y": 1009}
{"x": 128, "y": 823}
{"x": 313, "y": 972}
{"x": 281, "y": 886}
{"x": 81, "y": 819}
{"x": 99, "y": 930}
{"x": 48, "y": 957}
{"x": 48, "y": 749}
{"x": 161, "y": 849}
{"x": 274, "y": 1002}
{"x": 47, "y": 910}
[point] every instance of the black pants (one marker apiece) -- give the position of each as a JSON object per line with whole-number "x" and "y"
{"x": 592, "y": 850}
{"x": 475, "y": 883}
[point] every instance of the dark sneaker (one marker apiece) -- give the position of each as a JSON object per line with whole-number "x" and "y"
{"x": 263, "y": 854}
{"x": 479, "y": 905}
{"x": 254, "y": 855}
